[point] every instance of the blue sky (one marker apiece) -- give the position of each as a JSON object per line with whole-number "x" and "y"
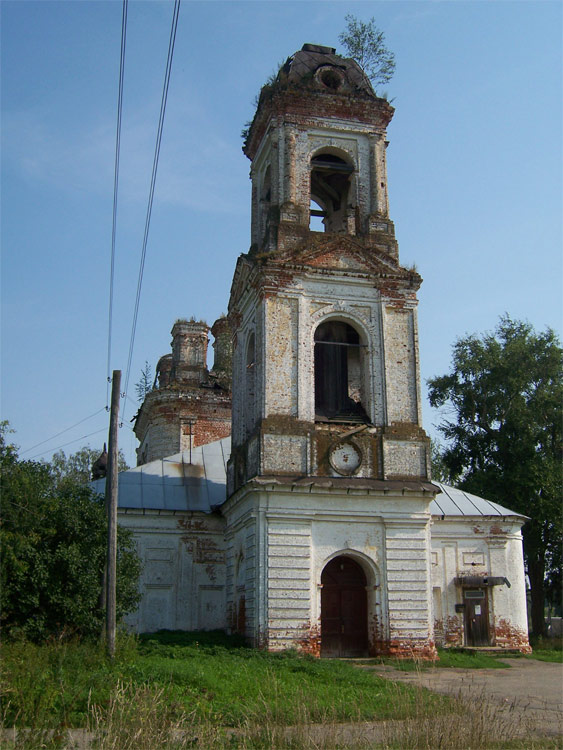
{"x": 474, "y": 176}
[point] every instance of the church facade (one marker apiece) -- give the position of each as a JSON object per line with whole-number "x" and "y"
{"x": 330, "y": 536}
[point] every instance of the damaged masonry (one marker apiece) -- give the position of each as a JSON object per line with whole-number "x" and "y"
{"x": 313, "y": 522}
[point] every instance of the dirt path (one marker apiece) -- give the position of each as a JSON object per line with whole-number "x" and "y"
{"x": 529, "y": 686}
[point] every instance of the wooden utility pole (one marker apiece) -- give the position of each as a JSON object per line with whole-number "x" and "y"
{"x": 111, "y": 507}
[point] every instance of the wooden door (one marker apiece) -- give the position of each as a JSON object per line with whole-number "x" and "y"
{"x": 343, "y": 609}
{"x": 476, "y": 617}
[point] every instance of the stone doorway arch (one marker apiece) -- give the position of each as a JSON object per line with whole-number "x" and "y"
{"x": 344, "y": 627}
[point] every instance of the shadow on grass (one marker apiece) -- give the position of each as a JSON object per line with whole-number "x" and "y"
{"x": 198, "y": 638}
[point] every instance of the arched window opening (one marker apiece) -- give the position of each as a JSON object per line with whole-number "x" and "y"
{"x": 330, "y": 185}
{"x": 250, "y": 385}
{"x": 266, "y": 192}
{"x": 338, "y": 373}
{"x": 265, "y": 200}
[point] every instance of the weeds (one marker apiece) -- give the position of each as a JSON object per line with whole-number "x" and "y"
{"x": 547, "y": 649}
{"x": 208, "y": 692}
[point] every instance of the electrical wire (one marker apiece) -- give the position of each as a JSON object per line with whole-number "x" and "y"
{"x": 70, "y": 442}
{"x": 115, "y": 188}
{"x": 61, "y": 433}
{"x": 151, "y": 191}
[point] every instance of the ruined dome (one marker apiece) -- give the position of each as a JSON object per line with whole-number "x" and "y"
{"x": 315, "y": 81}
{"x": 322, "y": 69}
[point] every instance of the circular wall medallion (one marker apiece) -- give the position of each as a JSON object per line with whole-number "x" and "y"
{"x": 345, "y": 458}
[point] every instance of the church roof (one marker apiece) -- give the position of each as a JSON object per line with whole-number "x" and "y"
{"x": 451, "y": 501}
{"x": 336, "y": 71}
{"x": 176, "y": 483}
{"x": 197, "y": 483}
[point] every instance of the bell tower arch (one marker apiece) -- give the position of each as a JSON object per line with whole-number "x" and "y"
{"x": 326, "y": 390}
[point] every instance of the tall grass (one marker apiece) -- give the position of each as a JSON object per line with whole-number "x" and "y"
{"x": 547, "y": 649}
{"x": 207, "y": 693}
{"x": 52, "y": 685}
{"x": 141, "y": 717}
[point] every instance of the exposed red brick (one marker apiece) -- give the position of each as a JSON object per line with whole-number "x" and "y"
{"x": 510, "y": 637}
{"x": 310, "y": 643}
{"x": 453, "y": 631}
{"x": 411, "y": 649}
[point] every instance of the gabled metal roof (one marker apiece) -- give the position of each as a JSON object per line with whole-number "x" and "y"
{"x": 451, "y": 501}
{"x": 197, "y": 482}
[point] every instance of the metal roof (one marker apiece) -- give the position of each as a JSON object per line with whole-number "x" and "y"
{"x": 180, "y": 482}
{"x": 451, "y": 501}
{"x": 198, "y": 483}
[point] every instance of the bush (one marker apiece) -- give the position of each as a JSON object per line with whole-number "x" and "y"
{"x": 53, "y": 540}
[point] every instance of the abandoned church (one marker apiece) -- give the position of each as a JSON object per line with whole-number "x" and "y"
{"x": 286, "y": 494}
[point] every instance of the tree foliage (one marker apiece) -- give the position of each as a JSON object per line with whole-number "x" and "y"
{"x": 366, "y": 44}
{"x": 145, "y": 382}
{"x": 440, "y": 472}
{"x": 505, "y": 395}
{"x": 53, "y": 538}
{"x": 77, "y": 467}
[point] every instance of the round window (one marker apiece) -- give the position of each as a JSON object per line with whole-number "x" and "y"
{"x": 331, "y": 79}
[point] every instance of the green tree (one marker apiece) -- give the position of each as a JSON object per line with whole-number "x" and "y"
{"x": 505, "y": 393}
{"x": 145, "y": 383}
{"x": 53, "y": 539}
{"x": 440, "y": 472}
{"x": 366, "y": 44}
{"x": 77, "y": 467}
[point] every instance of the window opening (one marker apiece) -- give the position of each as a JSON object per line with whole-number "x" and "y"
{"x": 338, "y": 373}
{"x": 474, "y": 594}
{"x": 317, "y": 217}
{"x": 250, "y": 385}
{"x": 330, "y": 184}
{"x": 266, "y": 193}
{"x": 265, "y": 201}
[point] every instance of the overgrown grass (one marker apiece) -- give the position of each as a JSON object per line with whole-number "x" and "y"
{"x": 51, "y": 685}
{"x": 210, "y": 692}
{"x": 547, "y": 649}
{"x": 141, "y": 718}
{"x": 213, "y": 679}
{"x": 447, "y": 657}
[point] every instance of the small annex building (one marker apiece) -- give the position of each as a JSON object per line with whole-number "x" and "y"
{"x": 317, "y": 524}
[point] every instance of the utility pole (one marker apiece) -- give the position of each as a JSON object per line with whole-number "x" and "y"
{"x": 111, "y": 508}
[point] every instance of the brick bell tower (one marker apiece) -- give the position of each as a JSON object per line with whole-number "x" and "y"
{"x": 328, "y": 482}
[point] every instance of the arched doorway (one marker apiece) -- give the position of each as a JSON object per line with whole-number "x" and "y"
{"x": 344, "y": 629}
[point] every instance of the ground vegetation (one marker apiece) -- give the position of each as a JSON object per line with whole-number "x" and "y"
{"x": 209, "y": 691}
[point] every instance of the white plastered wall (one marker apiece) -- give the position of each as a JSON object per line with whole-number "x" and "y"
{"x": 183, "y": 577}
{"x": 297, "y": 533}
{"x": 478, "y": 546}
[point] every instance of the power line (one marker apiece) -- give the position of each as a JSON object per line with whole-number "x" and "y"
{"x": 115, "y": 187}
{"x": 152, "y": 186}
{"x": 70, "y": 442}
{"x": 61, "y": 433}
